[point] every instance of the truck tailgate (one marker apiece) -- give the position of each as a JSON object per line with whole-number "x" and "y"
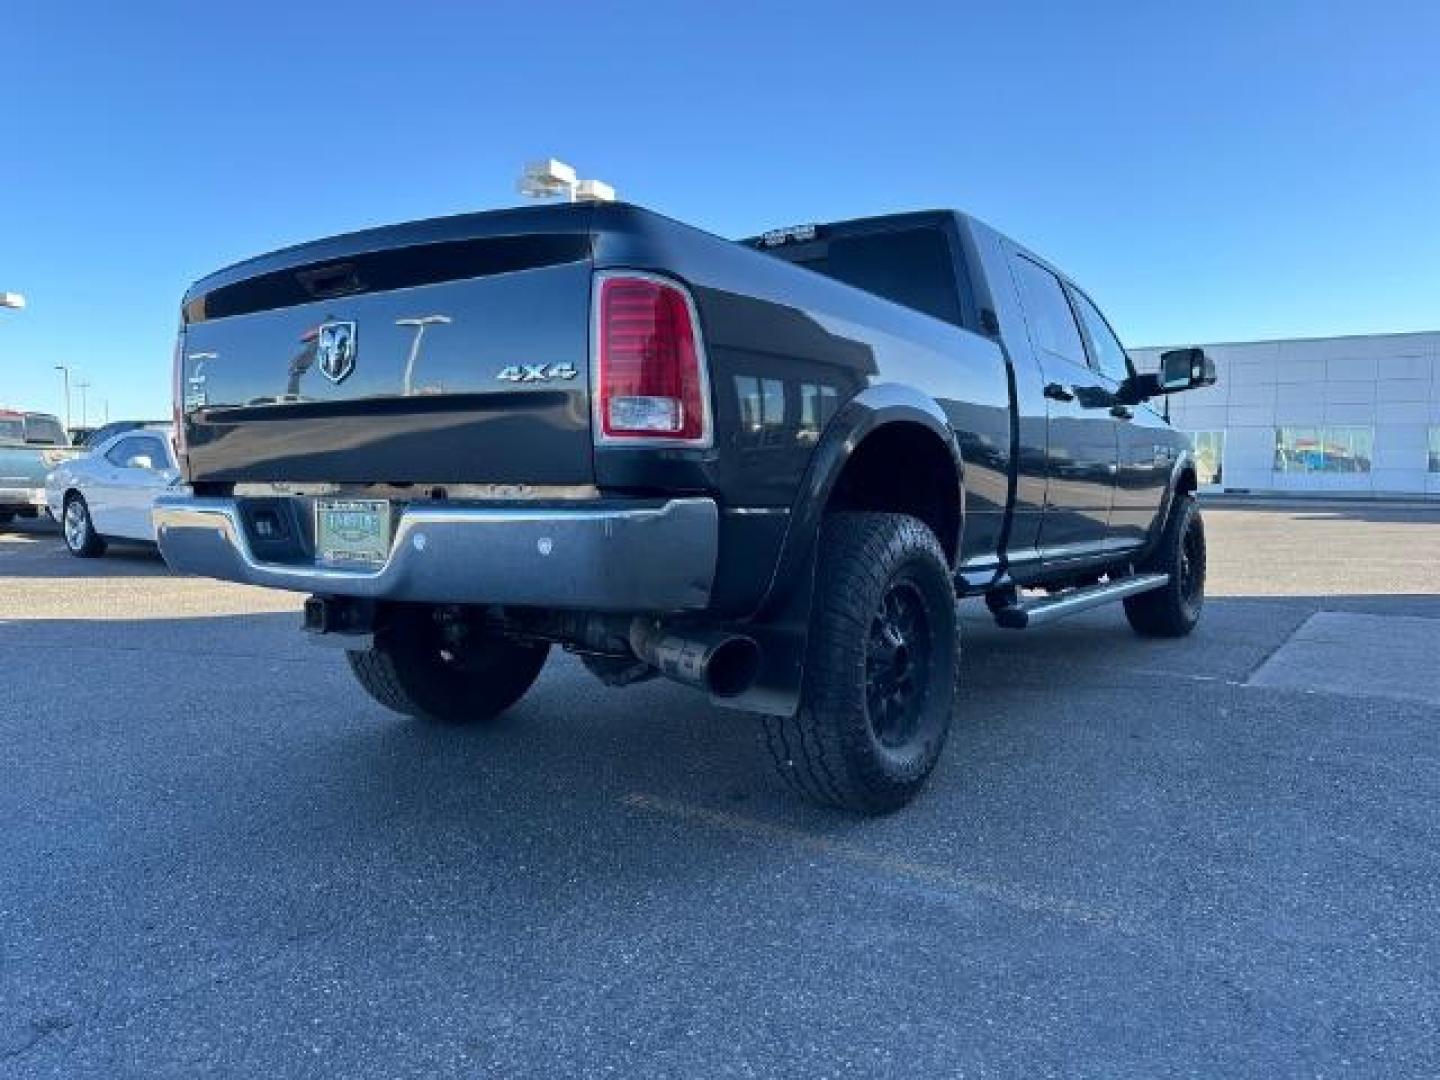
{"x": 455, "y": 362}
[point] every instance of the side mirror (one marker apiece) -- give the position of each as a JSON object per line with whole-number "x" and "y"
{"x": 1185, "y": 369}
{"x": 1180, "y": 370}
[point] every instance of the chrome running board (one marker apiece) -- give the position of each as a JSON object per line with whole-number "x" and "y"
{"x": 1049, "y": 608}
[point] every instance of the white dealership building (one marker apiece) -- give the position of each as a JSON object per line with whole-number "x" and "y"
{"x": 1340, "y": 416}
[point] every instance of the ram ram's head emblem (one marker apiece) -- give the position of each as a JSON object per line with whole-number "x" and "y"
{"x": 335, "y": 346}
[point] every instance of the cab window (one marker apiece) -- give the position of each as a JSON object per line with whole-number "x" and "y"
{"x": 913, "y": 267}
{"x": 1108, "y": 354}
{"x": 1047, "y": 312}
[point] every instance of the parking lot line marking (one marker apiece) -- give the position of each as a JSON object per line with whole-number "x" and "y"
{"x": 923, "y": 873}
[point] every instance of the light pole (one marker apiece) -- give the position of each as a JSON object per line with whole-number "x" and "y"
{"x": 65, "y": 381}
{"x": 84, "y": 412}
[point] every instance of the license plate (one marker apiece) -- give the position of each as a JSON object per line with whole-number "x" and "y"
{"x": 352, "y": 530}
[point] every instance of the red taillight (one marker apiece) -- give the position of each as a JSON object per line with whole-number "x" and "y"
{"x": 650, "y": 383}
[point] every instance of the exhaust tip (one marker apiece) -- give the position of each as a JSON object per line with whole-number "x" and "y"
{"x": 733, "y": 668}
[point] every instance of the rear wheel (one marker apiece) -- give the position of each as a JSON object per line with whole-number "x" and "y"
{"x": 1174, "y": 610}
{"x": 447, "y": 671}
{"x": 79, "y": 531}
{"x": 881, "y": 667}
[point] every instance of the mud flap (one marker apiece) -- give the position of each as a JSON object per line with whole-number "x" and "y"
{"x": 782, "y": 633}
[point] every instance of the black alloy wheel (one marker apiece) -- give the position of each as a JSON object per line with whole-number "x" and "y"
{"x": 897, "y": 665}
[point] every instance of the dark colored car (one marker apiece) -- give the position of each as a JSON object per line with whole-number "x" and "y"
{"x": 766, "y": 469}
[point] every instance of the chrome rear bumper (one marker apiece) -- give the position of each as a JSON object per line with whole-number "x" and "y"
{"x": 646, "y": 558}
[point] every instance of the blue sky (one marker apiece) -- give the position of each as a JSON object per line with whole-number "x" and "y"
{"x": 1210, "y": 171}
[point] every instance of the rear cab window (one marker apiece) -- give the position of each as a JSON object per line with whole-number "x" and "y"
{"x": 914, "y": 266}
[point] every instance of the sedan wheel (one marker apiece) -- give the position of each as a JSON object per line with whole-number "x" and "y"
{"x": 80, "y": 535}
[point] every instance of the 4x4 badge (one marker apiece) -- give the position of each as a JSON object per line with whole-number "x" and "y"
{"x": 537, "y": 372}
{"x": 335, "y": 346}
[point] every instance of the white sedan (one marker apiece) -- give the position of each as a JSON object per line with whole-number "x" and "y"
{"x": 108, "y": 494}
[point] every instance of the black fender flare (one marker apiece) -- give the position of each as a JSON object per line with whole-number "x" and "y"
{"x": 1184, "y": 462}
{"x": 782, "y": 621}
{"x": 861, "y": 416}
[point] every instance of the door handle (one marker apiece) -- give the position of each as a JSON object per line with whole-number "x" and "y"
{"x": 1055, "y": 392}
{"x": 1122, "y": 412}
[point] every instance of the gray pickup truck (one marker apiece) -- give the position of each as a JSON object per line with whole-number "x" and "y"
{"x": 31, "y": 444}
{"x": 764, "y": 468}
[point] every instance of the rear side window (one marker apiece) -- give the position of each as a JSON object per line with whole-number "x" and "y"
{"x": 909, "y": 266}
{"x": 154, "y": 448}
{"x": 1047, "y": 312}
{"x": 121, "y": 453}
{"x": 43, "y": 431}
{"x": 139, "y": 452}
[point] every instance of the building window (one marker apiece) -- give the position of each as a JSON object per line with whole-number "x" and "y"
{"x": 1435, "y": 449}
{"x": 1209, "y": 457}
{"x": 1324, "y": 449}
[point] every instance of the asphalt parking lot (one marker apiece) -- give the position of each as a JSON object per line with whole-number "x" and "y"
{"x": 1219, "y": 856}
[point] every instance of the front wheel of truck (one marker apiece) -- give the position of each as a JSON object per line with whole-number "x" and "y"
{"x": 1174, "y": 610}
{"x": 881, "y": 667}
{"x": 426, "y": 666}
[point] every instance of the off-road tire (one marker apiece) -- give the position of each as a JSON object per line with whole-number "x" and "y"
{"x": 78, "y": 530}
{"x": 833, "y": 750}
{"x": 411, "y": 670}
{"x": 1174, "y": 610}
